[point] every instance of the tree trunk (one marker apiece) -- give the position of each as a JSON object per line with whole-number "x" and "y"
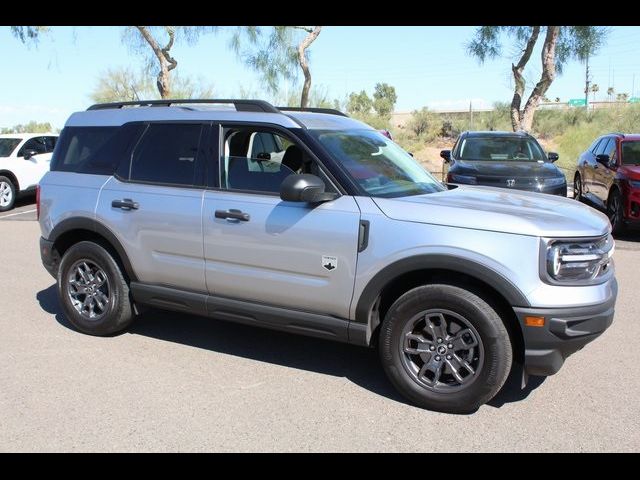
{"x": 516, "y": 102}
{"x": 304, "y": 64}
{"x": 166, "y": 61}
{"x": 546, "y": 77}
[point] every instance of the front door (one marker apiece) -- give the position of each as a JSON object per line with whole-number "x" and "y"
{"x": 262, "y": 249}
{"x": 33, "y": 169}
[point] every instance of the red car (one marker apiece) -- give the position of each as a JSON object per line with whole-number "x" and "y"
{"x": 608, "y": 175}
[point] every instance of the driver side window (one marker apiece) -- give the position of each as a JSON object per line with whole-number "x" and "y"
{"x": 38, "y": 144}
{"x": 258, "y": 160}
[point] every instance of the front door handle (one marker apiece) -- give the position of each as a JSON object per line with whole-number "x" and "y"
{"x": 232, "y": 214}
{"x": 125, "y": 204}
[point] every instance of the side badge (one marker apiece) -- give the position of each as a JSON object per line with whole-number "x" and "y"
{"x": 330, "y": 263}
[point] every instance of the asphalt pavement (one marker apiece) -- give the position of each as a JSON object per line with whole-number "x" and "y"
{"x": 176, "y": 382}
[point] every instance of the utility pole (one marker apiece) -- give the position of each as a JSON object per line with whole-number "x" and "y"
{"x": 470, "y": 117}
{"x": 586, "y": 84}
{"x": 633, "y": 85}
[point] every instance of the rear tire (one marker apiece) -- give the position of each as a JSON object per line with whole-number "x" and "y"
{"x": 8, "y": 194}
{"x": 92, "y": 290}
{"x": 445, "y": 349}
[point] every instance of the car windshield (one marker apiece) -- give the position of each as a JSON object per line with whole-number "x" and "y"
{"x": 500, "y": 149}
{"x": 8, "y": 145}
{"x": 379, "y": 166}
{"x": 631, "y": 153}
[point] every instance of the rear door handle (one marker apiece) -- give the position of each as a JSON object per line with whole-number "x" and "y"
{"x": 125, "y": 204}
{"x": 233, "y": 214}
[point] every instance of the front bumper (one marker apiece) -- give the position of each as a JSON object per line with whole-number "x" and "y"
{"x": 552, "y": 190}
{"x": 49, "y": 256}
{"x": 565, "y": 331}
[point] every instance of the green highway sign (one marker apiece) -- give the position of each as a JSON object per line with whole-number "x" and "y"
{"x": 577, "y": 102}
{"x": 634, "y": 100}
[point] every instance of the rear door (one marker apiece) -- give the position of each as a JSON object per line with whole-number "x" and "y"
{"x": 603, "y": 174}
{"x": 261, "y": 249}
{"x": 154, "y": 205}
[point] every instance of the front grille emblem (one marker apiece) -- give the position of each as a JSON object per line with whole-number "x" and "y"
{"x": 511, "y": 182}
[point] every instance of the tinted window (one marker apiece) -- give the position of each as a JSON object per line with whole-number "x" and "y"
{"x": 167, "y": 153}
{"x": 630, "y": 153}
{"x": 7, "y": 145}
{"x": 594, "y": 146}
{"x": 500, "y": 149}
{"x": 50, "y": 143}
{"x": 37, "y": 144}
{"x": 81, "y": 149}
{"x": 603, "y": 145}
{"x": 610, "y": 148}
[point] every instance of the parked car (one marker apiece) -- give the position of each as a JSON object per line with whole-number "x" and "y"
{"x": 345, "y": 238}
{"x": 608, "y": 175}
{"x": 504, "y": 159}
{"x": 24, "y": 159}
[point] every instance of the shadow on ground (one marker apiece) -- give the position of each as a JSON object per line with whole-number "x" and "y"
{"x": 358, "y": 364}
{"x": 26, "y": 199}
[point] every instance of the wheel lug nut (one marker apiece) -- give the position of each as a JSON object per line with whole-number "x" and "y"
{"x": 450, "y": 345}
{"x": 448, "y": 357}
{"x": 432, "y": 348}
{"x": 438, "y": 358}
{"x": 439, "y": 340}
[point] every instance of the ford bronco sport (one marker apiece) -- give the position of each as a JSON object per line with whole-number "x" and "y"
{"x": 314, "y": 223}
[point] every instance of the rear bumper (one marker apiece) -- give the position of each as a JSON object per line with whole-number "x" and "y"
{"x": 50, "y": 258}
{"x": 566, "y": 331}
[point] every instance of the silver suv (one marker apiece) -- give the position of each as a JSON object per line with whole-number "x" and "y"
{"x": 314, "y": 223}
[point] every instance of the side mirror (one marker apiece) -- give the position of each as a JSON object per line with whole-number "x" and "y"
{"x": 263, "y": 156}
{"x": 603, "y": 158}
{"x": 305, "y": 188}
{"x": 446, "y": 155}
{"x": 29, "y": 153}
{"x": 553, "y": 157}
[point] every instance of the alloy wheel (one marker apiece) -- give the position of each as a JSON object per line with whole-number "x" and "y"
{"x": 88, "y": 289}
{"x": 6, "y": 194}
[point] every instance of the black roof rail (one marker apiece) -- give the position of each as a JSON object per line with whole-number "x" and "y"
{"x": 330, "y": 111}
{"x": 241, "y": 105}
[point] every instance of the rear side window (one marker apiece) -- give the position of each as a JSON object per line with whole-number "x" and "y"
{"x": 94, "y": 150}
{"x": 168, "y": 154}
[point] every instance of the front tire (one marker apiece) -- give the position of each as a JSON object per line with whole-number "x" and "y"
{"x": 577, "y": 187}
{"x": 615, "y": 210}
{"x": 92, "y": 290}
{"x": 7, "y": 194}
{"x": 445, "y": 349}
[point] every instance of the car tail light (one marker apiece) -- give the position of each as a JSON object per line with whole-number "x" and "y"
{"x": 37, "y": 202}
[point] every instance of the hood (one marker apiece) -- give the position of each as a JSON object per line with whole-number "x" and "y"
{"x": 631, "y": 171}
{"x": 499, "y": 210}
{"x": 507, "y": 168}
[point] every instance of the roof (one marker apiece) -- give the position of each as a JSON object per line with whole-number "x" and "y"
{"x": 22, "y": 136}
{"x": 214, "y": 110}
{"x": 492, "y": 133}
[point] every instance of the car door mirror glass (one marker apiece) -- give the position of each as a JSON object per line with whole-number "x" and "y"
{"x": 553, "y": 157}
{"x": 603, "y": 158}
{"x": 29, "y": 153}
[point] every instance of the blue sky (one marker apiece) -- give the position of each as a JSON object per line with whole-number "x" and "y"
{"x": 427, "y": 65}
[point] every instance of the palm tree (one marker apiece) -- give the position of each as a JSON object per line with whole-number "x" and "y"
{"x": 594, "y": 89}
{"x": 610, "y": 93}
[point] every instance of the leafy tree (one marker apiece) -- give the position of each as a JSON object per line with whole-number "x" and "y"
{"x": 359, "y": 103}
{"x": 560, "y": 45}
{"x": 610, "y": 93}
{"x": 424, "y": 122}
{"x": 595, "y": 88}
{"x": 31, "y": 127}
{"x": 28, "y": 33}
{"x": 384, "y": 99}
{"x": 275, "y": 53}
{"x": 125, "y": 84}
{"x": 155, "y": 43}
{"x": 622, "y": 97}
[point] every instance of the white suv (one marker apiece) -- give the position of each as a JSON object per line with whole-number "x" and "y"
{"x": 24, "y": 159}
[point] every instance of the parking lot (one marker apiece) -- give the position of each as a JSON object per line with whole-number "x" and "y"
{"x": 182, "y": 383}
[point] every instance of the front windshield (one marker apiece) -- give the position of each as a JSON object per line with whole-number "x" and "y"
{"x": 630, "y": 153}
{"x": 500, "y": 149}
{"x": 8, "y": 145}
{"x": 379, "y": 166}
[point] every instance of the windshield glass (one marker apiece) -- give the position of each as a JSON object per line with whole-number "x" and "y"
{"x": 631, "y": 153}
{"x": 500, "y": 149}
{"x": 8, "y": 145}
{"x": 379, "y": 166}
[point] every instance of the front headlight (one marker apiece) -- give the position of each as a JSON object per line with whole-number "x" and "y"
{"x": 553, "y": 182}
{"x": 579, "y": 261}
{"x": 634, "y": 183}
{"x": 468, "y": 179}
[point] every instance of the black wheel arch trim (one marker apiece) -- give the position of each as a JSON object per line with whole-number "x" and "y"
{"x": 384, "y": 277}
{"x": 85, "y": 223}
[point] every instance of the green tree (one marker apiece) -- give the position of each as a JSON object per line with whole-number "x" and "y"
{"x": 125, "y": 84}
{"x": 155, "y": 44}
{"x": 359, "y": 103}
{"x": 31, "y": 127}
{"x": 384, "y": 99}
{"x": 424, "y": 124}
{"x": 28, "y": 33}
{"x": 560, "y": 45}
